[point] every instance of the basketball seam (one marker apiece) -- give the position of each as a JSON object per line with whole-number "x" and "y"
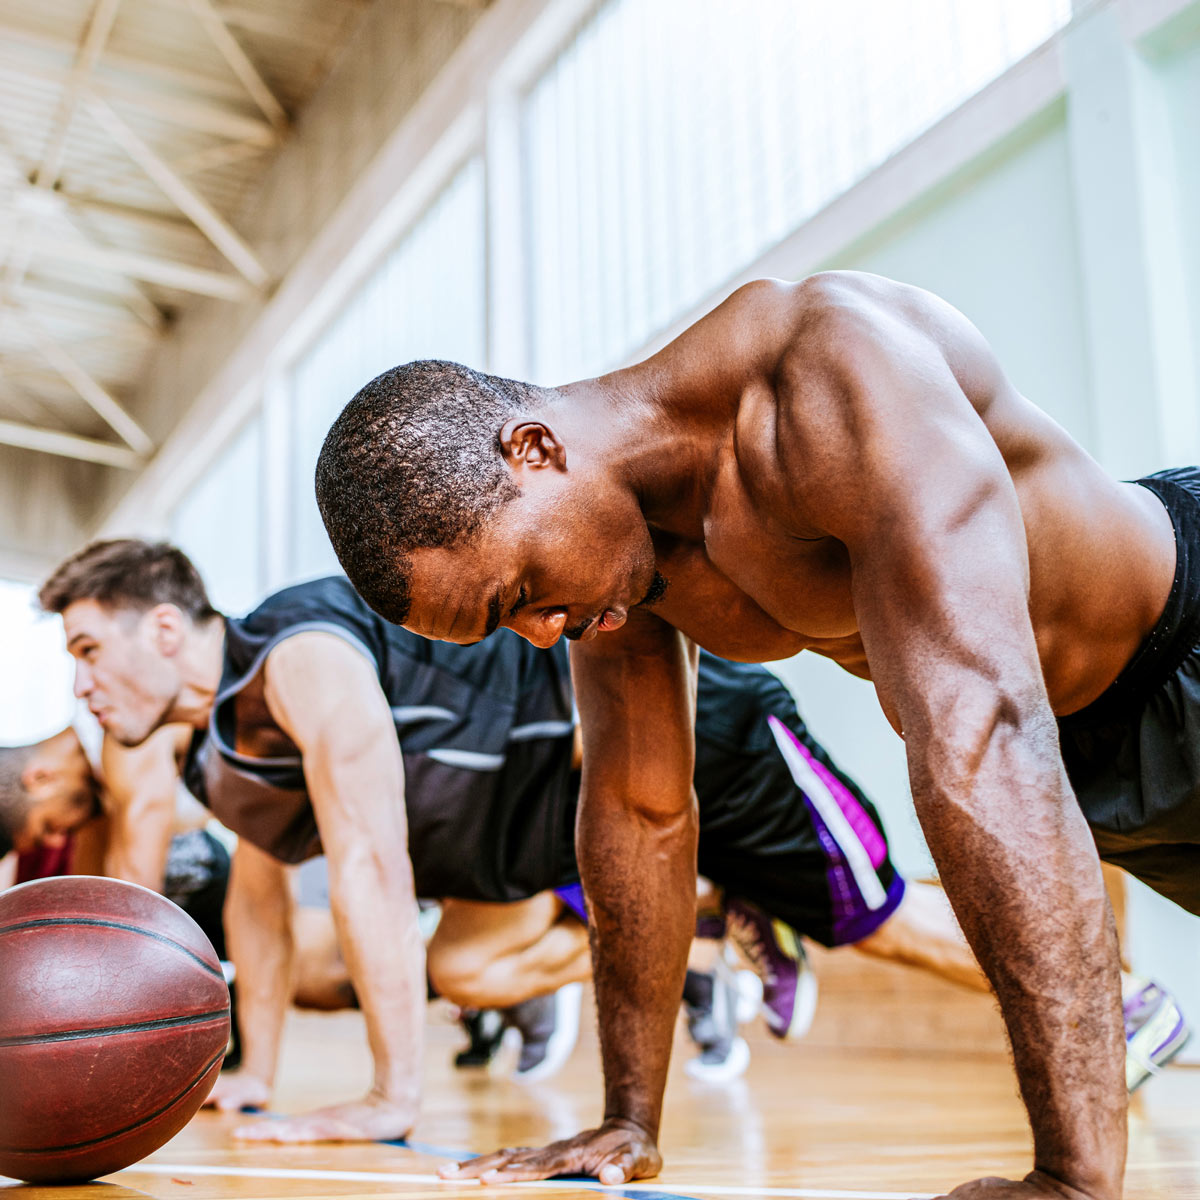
{"x": 95, "y": 922}
{"x": 108, "y": 1137}
{"x": 69, "y": 1035}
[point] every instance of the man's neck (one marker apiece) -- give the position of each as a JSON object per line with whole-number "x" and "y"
{"x": 652, "y": 440}
{"x": 203, "y": 662}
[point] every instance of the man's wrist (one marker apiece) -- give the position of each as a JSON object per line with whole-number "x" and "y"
{"x": 618, "y": 1120}
{"x": 402, "y": 1093}
{"x": 261, "y": 1073}
{"x": 1085, "y": 1184}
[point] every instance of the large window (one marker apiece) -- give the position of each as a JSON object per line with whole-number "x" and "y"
{"x": 36, "y": 672}
{"x": 674, "y": 140}
{"x": 218, "y": 523}
{"x": 426, "y": 300}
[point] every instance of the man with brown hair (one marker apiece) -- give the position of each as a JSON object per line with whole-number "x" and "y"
{"x": 839, "y": 465}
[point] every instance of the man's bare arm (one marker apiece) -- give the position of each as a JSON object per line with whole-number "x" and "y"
{"x": 258, "y": 924}
{"x": 139, "y": 797}
{"x": 636, "y": 844}
{"x": 326, "y": 697}
{"x": 908, "y": 478}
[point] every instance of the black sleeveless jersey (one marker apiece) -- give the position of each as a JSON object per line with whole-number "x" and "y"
{"x": 486, "y": 733}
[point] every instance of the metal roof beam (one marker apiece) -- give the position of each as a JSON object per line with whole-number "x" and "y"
{"x": 239, "y": 63}
{"x": 117, "y": 174}
{"x": 285, "y": 24}
{"x": 190, "y": 203}
{"x": 171, "y": 76}
{"x": 197, "y": 114}
{"x": 99, "y": 26}
{"x": 68, "y": 445}
{"x": 146, "y": 267}
{"x": 90, "y": 391}
{"x": 86, "y": 305}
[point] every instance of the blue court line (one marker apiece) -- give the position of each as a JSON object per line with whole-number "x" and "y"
{"x": 588, "y": 1181}
{"x": 459, "y": 1155}
{"x": 425, "y": 1148}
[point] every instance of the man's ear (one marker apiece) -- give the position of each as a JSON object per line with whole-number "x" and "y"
{"x": 531, "y": 444}
{"x": 167, "y": 628}
{"x": 36, "y": 773}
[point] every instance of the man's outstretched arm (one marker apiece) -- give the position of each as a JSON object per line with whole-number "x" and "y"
{"x": 939, "y": 564}
{"x": 258, "y": 928}
{"x": 636, "y": 843}
{"x": 326, "y": 696}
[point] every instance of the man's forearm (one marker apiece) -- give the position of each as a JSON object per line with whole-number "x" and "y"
{"x": 379, "y": 931}
{"x": 139, "y": 843}
{"x": 262, "y": 955}
{"x": 640, "y": 878}
{"x": 1020, "y": 868}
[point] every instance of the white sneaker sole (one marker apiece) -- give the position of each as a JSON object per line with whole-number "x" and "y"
{"x": 568, "y": 1001}
{"x": 733, "y": 1067}
{"x": 805, "y": 1008}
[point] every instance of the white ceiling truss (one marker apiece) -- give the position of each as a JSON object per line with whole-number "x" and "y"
{"x": 132, "y": 134}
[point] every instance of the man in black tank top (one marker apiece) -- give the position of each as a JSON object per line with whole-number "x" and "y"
{"x": 447, "y": 772}
{"x": 304, "y": 741}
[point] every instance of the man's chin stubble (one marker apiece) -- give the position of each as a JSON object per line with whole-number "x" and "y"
{"x": 655, "y": 592}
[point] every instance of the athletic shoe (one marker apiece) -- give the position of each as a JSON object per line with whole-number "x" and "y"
{"x": 711, "y": 1001}
{"x": 711, "y": 928}
{"x": 789, "y": 985}
{"x": 1155, "y": 1029}
{"x": 549, "y": 1028}
{"x": 485, "y": 1029}
{"x": 1140, "y": 998}
{"x": 749, "y": 995}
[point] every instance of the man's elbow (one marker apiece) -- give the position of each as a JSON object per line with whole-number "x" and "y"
{"x": 374, "y": 870}
{"x": 987, "y": 732}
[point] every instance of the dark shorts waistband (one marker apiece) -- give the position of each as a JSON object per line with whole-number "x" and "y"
{"x": 1177, "y": 632}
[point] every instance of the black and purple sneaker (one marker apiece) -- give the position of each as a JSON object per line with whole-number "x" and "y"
{"x": 1155, "y": 1029}
{"x": 789, "y": 999}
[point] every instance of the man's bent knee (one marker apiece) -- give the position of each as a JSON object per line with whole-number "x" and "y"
{"x": 460, "y": 975}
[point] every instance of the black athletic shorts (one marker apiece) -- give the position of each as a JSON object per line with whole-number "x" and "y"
{"x": 780, "y": 824}
{"x": 1133, "y": 755}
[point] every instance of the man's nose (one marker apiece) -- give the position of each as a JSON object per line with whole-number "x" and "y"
{"x": 83, "y": 681}
{"x": 542, "y": 628}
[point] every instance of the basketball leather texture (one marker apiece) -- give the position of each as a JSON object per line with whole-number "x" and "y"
{"x": 114, "y": 1018}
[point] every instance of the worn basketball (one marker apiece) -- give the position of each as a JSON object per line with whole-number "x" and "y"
{"x": 114, "y": 1018}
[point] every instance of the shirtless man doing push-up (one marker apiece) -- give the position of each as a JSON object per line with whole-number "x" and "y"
{"x": 840, "y": 466}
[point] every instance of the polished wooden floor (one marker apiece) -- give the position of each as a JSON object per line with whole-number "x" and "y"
{"x": 815, "y": 1120}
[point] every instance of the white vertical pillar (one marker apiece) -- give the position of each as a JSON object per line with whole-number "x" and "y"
{"x": 1141, "y": 364}
{"x": 276, "y": 450}
{"x": 507, "y": 287}
{"x": 1160, "y": 166}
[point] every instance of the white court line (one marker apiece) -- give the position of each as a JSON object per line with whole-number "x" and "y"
{"x": 679, "y": 1189}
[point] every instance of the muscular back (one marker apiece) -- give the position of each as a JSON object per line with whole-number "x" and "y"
{"x": 827, "y": 387}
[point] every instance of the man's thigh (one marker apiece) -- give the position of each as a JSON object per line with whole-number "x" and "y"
{"x": 489, "y": 931}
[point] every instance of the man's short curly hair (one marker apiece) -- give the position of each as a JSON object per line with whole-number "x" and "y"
{"x": 414, "y": 462}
